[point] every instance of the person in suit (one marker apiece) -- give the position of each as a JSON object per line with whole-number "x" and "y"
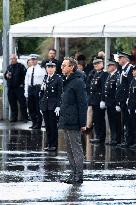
{"x": 33, "y": 80}
{"x": 50, "y": 99}
{"x": 97, "y": 100}
{"x": 122, "y": 91}
{"x": 114, "y": 117}
{"x": 15, "y": 76}
{"x": 52, "y": 57}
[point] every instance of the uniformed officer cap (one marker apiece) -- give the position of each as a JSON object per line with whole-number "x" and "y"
{"x": 97, "y": 60}
{"x": 111, "y": 62}
{"x": 50, "y": 64}
{"x": 33, "y": 56}
{"x": 123, "y": 54}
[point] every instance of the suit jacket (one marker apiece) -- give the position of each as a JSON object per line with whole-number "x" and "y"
{"x": 50, "y": 95}
{"x": 132, "y": 96}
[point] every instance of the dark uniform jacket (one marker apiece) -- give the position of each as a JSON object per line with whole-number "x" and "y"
{"x": 74, "y": 103}
{"x": 18, "y": 72}
{"x": 110, "y": 89}
{"x": 132, "y": 96}
{"x": 50, "y": 95}
{"x": 97, "y": 88}
{"x": 57, "y": 62}
{"x": 123, "y": 83}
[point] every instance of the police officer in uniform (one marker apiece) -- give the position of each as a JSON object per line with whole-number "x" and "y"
{"x": 114, "y": 117}
{"x": 33, "y": 80}
{"x": 50, "y": 99}
{"x": 132, "y": 110}
{"x": 52, "y": 57}
{"x": 122, "y": 91}
{"x": 15, "y": 75}
{"x": 97, "y": 100}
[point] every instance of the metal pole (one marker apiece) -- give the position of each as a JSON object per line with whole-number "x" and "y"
{"x": 5, "y": 55}
{"x": 66, "y": 39}
{"x": 107, "y": 50}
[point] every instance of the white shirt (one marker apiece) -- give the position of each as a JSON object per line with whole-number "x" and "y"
{"x": 113, "y": 72}
{"x": 39, "y": 74}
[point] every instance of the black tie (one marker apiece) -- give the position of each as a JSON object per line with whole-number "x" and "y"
{"x": 32, "y": 77}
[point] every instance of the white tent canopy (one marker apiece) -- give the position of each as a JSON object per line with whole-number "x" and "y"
{"x": 105, "y": 18}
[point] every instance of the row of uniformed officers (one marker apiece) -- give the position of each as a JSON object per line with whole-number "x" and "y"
{"x": 114, "y": 90}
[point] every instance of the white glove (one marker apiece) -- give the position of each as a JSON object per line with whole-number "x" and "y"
{"x": 129, "y": 111}
{"x": 26, "y": 95}
{"x": 135, "y": 111}
{"x": 57, "y": 111}
{"x": 127, "y": 102}
{"x": 118, "y": 109}
{"x": 102, "y": 105}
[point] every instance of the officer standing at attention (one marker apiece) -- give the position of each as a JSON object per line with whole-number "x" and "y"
{"x": 50, "y": 99}
{"x": 15, "y": 75}
{"x": 132, "y": 110}
{"x": 114, "y": 117}
{"x": 122, "y": 91}
{"x": 33, "y": 80}
{"x": 52, "y": 57}
{"x": 97, "y": 100}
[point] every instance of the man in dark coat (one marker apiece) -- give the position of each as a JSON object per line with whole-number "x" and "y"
{"x": 15, "y": 76}
{"x": 52, "y": 57}
{"x": 122, "y": 91}
{"x": 50, "y": 100}
{"x": 73, "y": 117}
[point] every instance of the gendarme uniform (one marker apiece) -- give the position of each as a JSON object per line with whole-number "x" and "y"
{"x": 114, "y": 117}
{"x": 33, "y": 80}
{"x": 97, "y": 88}
{"x": 122, "y": 91}
{"x": 132, "y": 111}
{"x": 50, "y": 99}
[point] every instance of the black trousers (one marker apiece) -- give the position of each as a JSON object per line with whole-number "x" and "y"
{"x": 51, "y": 128}
{"x": 99, "y": 123}
{"x": 114, "y": 118}
{"x": 16, "y": 95}
{"x": 132, "y": 128}
{"x": 125, "y": 123}
{"x": 33, "y": 105}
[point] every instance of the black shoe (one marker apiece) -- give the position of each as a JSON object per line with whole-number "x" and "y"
{"x": 36, "y": 127}
{"x": 72, "y": 179}
{"x": 25, "y": 120}
{"x": 50, "y": 149}
{"x": 96, "y": 141}
{"x": 13, "y": 120}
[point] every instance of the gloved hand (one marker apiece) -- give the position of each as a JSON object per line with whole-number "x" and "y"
{"x": 118, "y": 109}
{"x": 26, "y": 95}
{"x": 127, "y": 102}
{"x": 102, "y": 105}
{"x": 135, "y": 111}
{"x": 57, "y": 111}
{"x": 129, "y": 111}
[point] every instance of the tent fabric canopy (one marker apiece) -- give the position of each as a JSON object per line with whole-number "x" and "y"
{"x": 105, "y": 18}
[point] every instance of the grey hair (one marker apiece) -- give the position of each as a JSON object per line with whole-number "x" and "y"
{"x": 72, "y": 62}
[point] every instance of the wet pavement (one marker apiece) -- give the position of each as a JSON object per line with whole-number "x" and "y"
{"x": 31, "y": 176}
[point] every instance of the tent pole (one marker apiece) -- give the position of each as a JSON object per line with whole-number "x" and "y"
{"x": 107, "y": 50}
{"x": 6, "y": 24}
{"x": 57, "y": 47}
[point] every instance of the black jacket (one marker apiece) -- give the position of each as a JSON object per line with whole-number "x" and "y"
{"x": 123, "y": 83}
{"x": 74, "y": 103}
{"x": 110, "y": 89}
{"x": 97, "y": 88}
{"x": 18, "y": 72}
{"x": 132, "y": 96}
{"x": 50, "y": 95}
{"x": 57, "y": 62}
